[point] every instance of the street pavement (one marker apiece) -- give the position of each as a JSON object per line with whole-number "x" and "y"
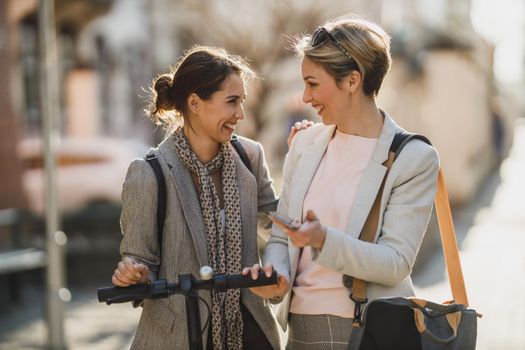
{"x": 88, "y": 324}
{"x": 491, "y": 237}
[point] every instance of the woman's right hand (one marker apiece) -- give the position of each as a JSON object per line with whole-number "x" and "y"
{"x": 271, "y": 291}
{"x": 129, "y": 272}
{"x": 298, "y": 126}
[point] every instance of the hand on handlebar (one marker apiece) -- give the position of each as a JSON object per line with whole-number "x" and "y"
{"x": 187, "y": 283}
{"x": 130, "y": 272}
{"x": 271, "y": 291}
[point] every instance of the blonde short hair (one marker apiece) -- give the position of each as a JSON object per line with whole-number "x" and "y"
{"x": 349, "y": 43}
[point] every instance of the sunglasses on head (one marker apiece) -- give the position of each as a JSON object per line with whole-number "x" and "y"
{"x": 320, "y": 35}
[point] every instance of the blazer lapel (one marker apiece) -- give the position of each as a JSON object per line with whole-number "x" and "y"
{"x": 188, "y": 199}
{"x": 247, "y": 186}
{"x": 306, "y": 168}
{"x": 372, "y": 178}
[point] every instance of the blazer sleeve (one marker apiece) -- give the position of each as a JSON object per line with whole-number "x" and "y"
{"x": 276, "y": 250}
{"x": 266, "y": 198}
{"x": 405, "y": 219}
{"x": 138, "y": 220}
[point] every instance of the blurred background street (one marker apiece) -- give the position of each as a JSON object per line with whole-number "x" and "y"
{"x": 75, "y": 85}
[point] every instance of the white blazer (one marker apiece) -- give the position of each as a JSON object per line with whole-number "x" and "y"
{"x": 404, "y": 213}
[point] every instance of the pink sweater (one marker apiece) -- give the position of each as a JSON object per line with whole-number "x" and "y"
{"x": 318, "y": 290}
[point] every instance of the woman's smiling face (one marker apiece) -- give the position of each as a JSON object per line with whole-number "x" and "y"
{"x": 218, "y": 116}
{"x": 322, "y": 93}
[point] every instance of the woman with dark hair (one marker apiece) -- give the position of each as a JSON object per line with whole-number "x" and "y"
{"x": 212, "y": 202}
{"x": 331, "y": 176}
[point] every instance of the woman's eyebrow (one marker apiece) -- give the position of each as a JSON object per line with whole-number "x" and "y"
{"x": 235, "y": 97}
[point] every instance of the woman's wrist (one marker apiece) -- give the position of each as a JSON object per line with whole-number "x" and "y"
{"x": 321, "y": 238}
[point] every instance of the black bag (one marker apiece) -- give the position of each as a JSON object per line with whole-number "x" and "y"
{"x": 404, "y": 324}
{"x": 412, "y": 323}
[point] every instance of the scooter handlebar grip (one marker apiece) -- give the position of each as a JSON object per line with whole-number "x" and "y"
{"x": 111, "y": 295}
{"x": 223, "y": 282}
{"x": 123, "y": 294}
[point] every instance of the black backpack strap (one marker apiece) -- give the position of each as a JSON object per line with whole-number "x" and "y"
{"x": 402, "y": 138}
{"x": 161, "y": 207}
{"x": 240, "y": 150}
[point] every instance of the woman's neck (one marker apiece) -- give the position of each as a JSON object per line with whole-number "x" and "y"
{"x": 362, "y": 119}
{"x": 204, "y": 148}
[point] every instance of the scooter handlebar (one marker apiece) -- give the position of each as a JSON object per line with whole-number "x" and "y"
{"x": 162, "y": 289}
{"x": 224, "y": 282}
{"x": 155, "y": 290}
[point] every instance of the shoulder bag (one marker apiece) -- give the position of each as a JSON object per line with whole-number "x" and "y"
{"x": 410, "y": 323}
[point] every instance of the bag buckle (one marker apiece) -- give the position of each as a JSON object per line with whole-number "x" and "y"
{"x": 358, "y": 310}
{"x": 151, "y": 156}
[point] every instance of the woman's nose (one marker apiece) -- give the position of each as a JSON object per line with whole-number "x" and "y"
{"x": 306, "y": 96}
{"x": 240, "y": 113}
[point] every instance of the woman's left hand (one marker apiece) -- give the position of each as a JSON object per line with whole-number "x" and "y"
{"x": 311, "y": 233}
{"x": 304, "y": 124}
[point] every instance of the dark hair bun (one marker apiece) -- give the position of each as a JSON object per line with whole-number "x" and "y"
{"x": 162, "y": 87}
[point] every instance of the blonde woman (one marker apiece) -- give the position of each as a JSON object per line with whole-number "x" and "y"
{"x": 331, "y": 176}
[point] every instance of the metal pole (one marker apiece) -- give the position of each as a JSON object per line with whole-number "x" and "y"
{"x": 50, "y": 109}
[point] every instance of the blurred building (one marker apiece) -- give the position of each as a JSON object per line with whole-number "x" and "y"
{"x": 10, "y": 166}
{"x": 72, "y": 17}
{"x": 441, "y": 83}
{"x": 102, "y": 66}
{"x": 116, "y": 48}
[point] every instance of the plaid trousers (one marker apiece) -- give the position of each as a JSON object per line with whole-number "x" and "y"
{"x": 318, "y": 332}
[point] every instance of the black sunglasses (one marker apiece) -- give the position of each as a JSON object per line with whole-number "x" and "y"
{"x": 320, "y": 35}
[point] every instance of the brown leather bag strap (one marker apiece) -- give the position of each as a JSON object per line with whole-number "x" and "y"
{"x": 368, "y": 233}
{"x": 448, "y": 240}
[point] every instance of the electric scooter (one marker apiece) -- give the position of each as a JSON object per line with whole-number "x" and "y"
{"x": 188, "y": 286}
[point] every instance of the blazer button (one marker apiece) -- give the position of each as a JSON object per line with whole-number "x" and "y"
{"x": 339, "y": 267}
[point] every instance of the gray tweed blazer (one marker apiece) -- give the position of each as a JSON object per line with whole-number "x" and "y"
{"x": 405, "y": 209}
{"x": 163, "y": 321}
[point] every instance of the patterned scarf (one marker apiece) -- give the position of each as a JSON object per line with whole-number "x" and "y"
{"x": 224, "y": 243}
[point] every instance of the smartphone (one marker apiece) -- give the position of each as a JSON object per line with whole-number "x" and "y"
{"x": 284, "y": 220}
